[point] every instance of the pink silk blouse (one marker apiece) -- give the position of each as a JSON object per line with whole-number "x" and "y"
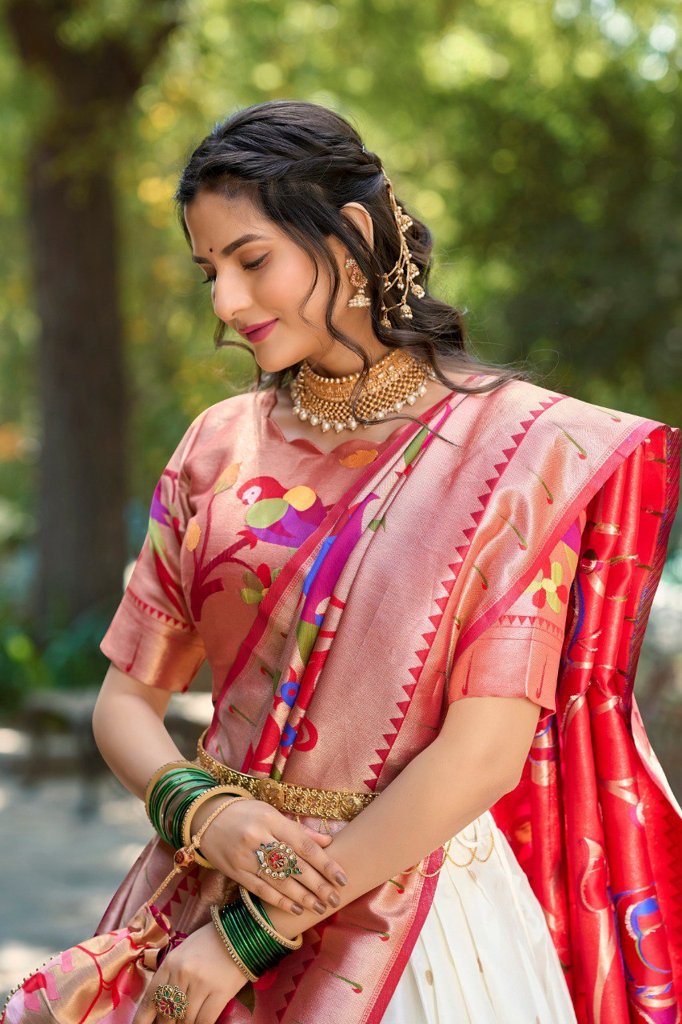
{"x": 212, "y": 550}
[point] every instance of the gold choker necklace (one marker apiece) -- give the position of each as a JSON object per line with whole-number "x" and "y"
{"x": 397, "y": 378}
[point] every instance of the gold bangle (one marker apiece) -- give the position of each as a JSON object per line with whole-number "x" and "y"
{"x": 162, "y": 771}
{"x": 194, "y": 845}
{"x": 228, "y": 945}
{"x": 282, "y": 939}
{"x": 236, "y": 791}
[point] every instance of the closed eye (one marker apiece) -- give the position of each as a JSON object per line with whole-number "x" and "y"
{"x": 246, "y": 266}
{"x": 256, "y": 263}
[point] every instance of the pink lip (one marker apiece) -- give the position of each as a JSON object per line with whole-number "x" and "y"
{"x": 260, "y": 331}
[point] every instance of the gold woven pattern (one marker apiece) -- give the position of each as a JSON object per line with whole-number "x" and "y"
{"x": 337, "y": 805}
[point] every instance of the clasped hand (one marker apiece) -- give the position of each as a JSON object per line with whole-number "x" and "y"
{"x": 230, "y": 843}
{"x": 200, "y": 965}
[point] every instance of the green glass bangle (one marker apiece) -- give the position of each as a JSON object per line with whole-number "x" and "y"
{"x": 175, "y": 818}
{"x": 169, "y": 786}
{"x": 160, "y": 793}
{"x": 245, "y": 945}
{"x": 248, "y": 946}
{"x": 258, "y": 903}
{"x": 163, "y": 795}
{"x": 259, "y": 951}
{"x": 176, "y": 810}
{"x": 177, "y": 775}
{"x": 174, "y": 778}
{"x": 163, "y": 799}
{"x": 236, "y": 937}
{"x": 245, "y": 948}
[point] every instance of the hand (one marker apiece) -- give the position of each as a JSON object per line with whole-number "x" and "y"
{"x": 203, "y": 969}
{"x": 231, "y": 840}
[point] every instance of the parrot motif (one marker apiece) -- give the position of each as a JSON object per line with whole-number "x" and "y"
{"x": 280, "y": 515}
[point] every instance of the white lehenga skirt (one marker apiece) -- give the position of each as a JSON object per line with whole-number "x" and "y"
{"x": 484, "y": 954}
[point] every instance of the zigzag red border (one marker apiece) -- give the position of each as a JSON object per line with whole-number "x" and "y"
{"x": 156, "y": 613}
{"x": 448, "y": 584}
{"x": 296, "y": 978}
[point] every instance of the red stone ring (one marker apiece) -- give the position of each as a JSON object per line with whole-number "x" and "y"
{"x": 277, "y": 860}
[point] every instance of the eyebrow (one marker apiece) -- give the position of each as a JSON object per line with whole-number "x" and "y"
{"x": 229, "y": 249}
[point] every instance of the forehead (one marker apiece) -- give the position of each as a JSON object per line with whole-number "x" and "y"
{"x": 213, "y": 220}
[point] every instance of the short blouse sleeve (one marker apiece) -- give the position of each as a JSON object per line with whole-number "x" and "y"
{"x": 152, "y": 636}
{"x": 519, "y": 655}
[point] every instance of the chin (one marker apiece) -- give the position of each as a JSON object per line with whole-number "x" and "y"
{"x": 270, "y": 363}
{"x": 279, "y": 359}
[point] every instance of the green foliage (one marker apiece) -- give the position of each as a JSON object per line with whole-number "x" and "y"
{"x": 70, "y": 659}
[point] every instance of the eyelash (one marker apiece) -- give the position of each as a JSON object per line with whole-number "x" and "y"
{"x": 247, "y": 266}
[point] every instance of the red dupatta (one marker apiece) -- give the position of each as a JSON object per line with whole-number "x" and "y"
{"x": 593, "y": 821}
{"x": 429, "y": 547}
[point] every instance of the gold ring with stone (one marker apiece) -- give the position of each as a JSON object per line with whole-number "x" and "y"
{"x": 277, "y": 860}
{"x": 171, "y": 1001}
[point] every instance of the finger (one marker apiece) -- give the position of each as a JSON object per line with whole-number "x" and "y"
{"x": 276, "y": 897}
{"x": 210, "y": 1010}
{"x": 296, "y": 891}
{"x": 317, "y": 891}
{"x": 195, "y": 999}
{"x": 321, "y": 838}
{"x": 319, "y": 860}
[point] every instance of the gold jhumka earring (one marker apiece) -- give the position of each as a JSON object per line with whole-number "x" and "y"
{"x": 396, "y": 379}
{"x": 401, "y": 274}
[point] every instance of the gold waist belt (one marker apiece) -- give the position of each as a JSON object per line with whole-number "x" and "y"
{"x": 337, "y": 804}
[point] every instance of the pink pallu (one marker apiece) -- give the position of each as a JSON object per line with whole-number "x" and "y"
{"x": 379, "y": 620}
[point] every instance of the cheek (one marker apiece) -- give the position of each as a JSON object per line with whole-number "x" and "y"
{"x": 289, "y": 283}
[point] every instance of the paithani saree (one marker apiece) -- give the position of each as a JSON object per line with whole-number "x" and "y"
{"x": 391, "y": 608}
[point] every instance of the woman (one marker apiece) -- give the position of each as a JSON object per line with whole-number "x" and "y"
{"x": 352, "y": 578}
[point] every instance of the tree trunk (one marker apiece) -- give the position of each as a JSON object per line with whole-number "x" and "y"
{"x": 71, "y": 213}
{"x": 81, "y": 388}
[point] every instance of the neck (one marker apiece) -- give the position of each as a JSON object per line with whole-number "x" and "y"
{"x": 341, "y": 362}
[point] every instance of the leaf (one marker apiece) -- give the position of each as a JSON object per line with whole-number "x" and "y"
{"x": 252, "y": 581}
{"x": 227, "y": 478}
{"x": 192, "y": 535}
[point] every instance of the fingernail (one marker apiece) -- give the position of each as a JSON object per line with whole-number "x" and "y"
{"x": 333, "y": 899}
{"x": 341, "y": 878}
{"x": 297, "y": 908}
{"x": 319, "y": 907}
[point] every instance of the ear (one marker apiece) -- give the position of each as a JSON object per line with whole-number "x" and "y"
{"x": 362, "y": 220}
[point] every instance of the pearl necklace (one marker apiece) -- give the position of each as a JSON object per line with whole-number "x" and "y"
{"x": 396, "y": 379}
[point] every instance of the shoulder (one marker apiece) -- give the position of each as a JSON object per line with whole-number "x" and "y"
{"x": 227, "y": 412}
{"x": 212, "y": 428}
{"x": 522, "y": 404}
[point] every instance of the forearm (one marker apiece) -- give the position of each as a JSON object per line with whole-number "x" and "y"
{"x": 132, "y": 739}
{"x": 134, "y": 742}
{"x": 429, "y": 802}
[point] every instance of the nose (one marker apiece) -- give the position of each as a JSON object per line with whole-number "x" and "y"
{"x": 231, "y": 299}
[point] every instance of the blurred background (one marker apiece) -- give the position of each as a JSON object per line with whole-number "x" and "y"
{"x": 541, "y": 142}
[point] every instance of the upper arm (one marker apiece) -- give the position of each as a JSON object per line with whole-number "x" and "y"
{"x": 117, "y": 682}
{"x": 512, "y": 669}
{"x": 519, "y": 655}
{"x": 152, "y": 637}
{"x": 492, "y": 731}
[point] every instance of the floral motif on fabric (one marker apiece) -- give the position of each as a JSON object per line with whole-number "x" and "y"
{"x": 548, "y": 588}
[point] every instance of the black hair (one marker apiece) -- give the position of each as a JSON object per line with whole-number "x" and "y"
{"x": 299, "y": 163}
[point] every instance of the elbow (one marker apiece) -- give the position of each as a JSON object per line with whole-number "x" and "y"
{"x": 509, "y": 781}
{"x": 499, "y": 779}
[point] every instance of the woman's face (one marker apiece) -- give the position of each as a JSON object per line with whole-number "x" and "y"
{"x": 259, "y": 274}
